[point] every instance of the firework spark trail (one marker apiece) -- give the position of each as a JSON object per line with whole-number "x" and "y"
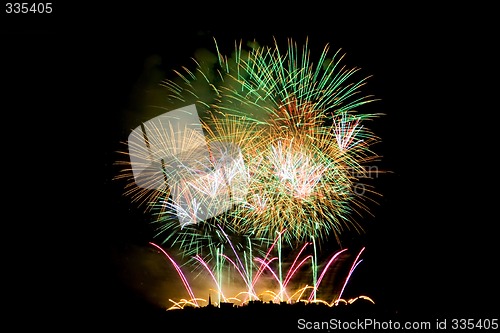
{"x": 262, "y": 267}
{"x": 184, "y": 302}
{"x": 179, "y": 271}
{"x": 219, "y": 289}
{"x": 295, "y": 170}
{"x": 293, "y": 268}
{"x": 353, "y": 267}
{"x": 345, "y": 132}
{"x": 266, "y": 265}
{"x": 232, "y": 247}
{"x": 244, "y": 276}
{"x": 323, "y": 273}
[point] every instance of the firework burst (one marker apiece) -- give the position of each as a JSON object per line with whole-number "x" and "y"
{"x": 287, "y": 150}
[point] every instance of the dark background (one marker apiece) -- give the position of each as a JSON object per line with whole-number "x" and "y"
{"x": 71, "y": 81}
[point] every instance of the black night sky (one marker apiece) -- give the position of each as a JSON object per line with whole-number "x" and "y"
{"x": 74, "y": 79}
